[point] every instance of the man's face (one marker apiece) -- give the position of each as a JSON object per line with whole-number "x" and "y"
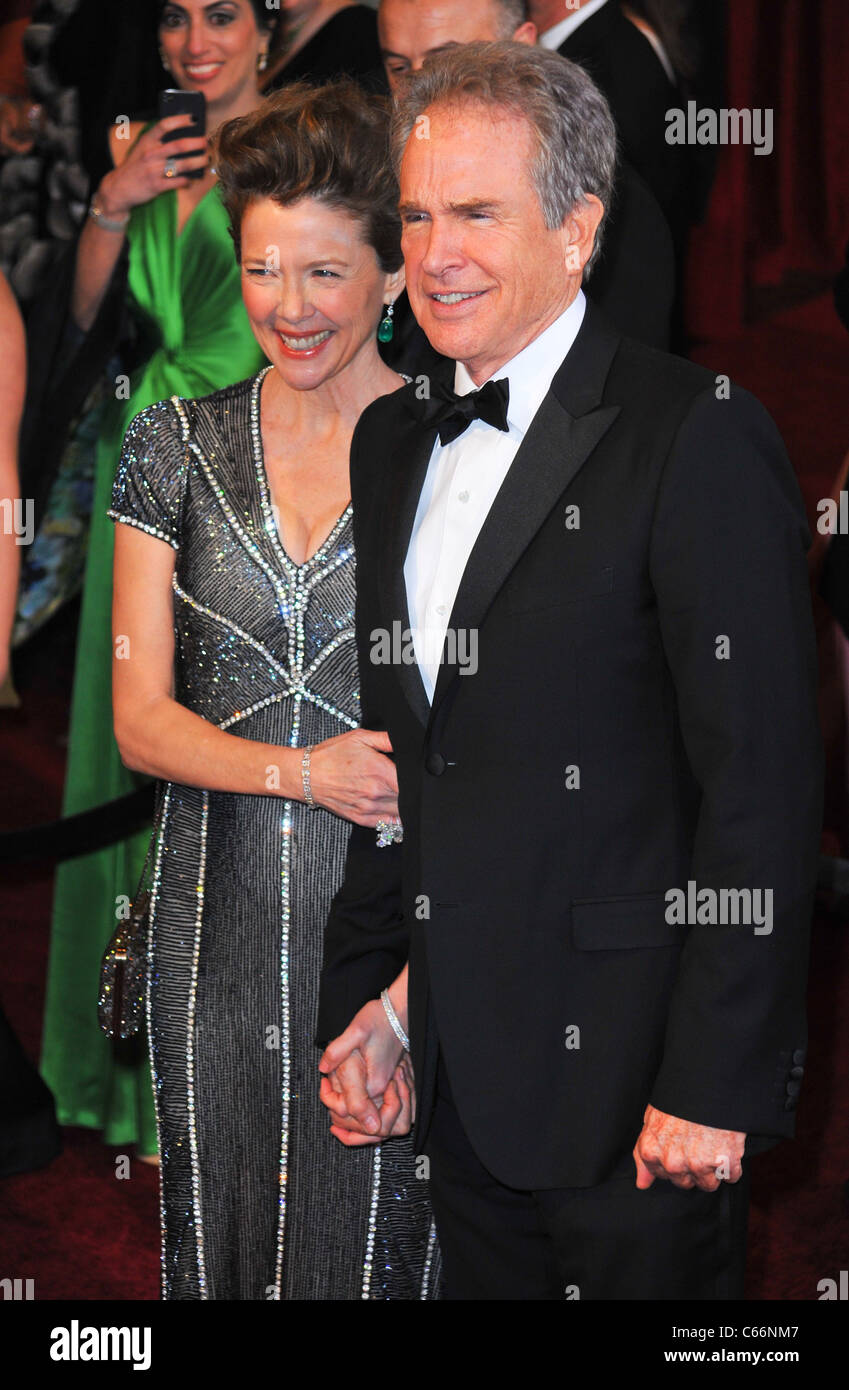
{"x": 484, "y": 274}
{"x": 410, "y": 30}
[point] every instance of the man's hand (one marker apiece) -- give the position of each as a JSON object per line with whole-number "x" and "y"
{"x": 689, "y": 1155}
{"x": 367, "y": 1082}
{"x": 396, "y": 1114}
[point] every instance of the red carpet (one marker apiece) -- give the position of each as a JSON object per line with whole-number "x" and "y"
{"x": 79, "y": 1232}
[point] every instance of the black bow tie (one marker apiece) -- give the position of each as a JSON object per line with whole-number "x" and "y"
{"x": 452, "y": 414}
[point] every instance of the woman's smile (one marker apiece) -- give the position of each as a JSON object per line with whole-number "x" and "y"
{"x": 304, "y": 344}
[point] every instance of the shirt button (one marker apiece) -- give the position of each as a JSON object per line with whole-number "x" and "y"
{"x": 440, "y": 608}
{"x": 462, "y": 496}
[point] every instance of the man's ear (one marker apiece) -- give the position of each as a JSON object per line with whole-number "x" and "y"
{"x": 580, "y": 226}
{"x": 526, "y": 33}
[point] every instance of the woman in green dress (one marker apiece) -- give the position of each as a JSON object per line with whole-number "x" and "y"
{"x": 185, "y": 296}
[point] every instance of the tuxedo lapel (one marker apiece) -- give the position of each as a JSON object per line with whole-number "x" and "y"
{"x": 564, "y": 432}
{"x": 412, "y": 449}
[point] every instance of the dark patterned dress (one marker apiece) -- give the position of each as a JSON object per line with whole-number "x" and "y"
{"x": 259, "y": 1201}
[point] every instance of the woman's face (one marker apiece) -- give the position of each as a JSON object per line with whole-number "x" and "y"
{"x": 212, "y": 46}
{"x": 313, "y": 288}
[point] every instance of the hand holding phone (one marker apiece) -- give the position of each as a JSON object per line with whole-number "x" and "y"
{"x": 175, "y": 102}
{"x": 151, "y": 167}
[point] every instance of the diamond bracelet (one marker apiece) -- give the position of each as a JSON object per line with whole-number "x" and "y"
{"x": 394, "y": 1020}
{"x": 109, "y": 224}
{"x": 305, "y": 777}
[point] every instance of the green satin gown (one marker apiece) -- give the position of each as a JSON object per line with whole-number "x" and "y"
{"x": 186, "y": 292}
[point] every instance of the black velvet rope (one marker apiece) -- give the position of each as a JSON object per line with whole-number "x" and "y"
{"x": 83, "y": 833}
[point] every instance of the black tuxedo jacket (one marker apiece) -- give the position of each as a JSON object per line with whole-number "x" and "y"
{"x": 633, "y": 280}
{"x": 642, "y": 715}
{"x": 622, "y": 62}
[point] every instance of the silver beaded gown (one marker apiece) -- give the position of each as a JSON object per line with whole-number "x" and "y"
{"x": 258, "y": 1200}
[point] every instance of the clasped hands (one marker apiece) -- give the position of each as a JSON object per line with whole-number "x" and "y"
{"x": 367, "y": 1085}
{"x": 367, "y": 1081}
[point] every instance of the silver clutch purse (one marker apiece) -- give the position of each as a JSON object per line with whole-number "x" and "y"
{"x": 123, "y": 969}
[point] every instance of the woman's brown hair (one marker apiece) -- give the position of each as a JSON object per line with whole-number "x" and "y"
{"x": 329, "y": 142}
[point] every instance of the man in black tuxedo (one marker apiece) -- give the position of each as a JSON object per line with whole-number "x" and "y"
{"x": 583, "y": 617}
{"x": 622, "y": 62}
{"x": 636, "y": 76}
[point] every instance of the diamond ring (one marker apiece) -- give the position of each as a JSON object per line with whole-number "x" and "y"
{"x": 389, "y": 832}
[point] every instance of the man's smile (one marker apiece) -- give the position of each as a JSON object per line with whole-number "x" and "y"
{"x": 457, "y": 296}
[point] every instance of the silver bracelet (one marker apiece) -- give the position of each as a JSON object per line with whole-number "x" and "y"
{"x": 109, "y": 224}
{"x": 394, "y": 1020}
{"x": 305, "y": 777}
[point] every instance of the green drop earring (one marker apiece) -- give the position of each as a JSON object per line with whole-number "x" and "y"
{"x": 386, "y": 327}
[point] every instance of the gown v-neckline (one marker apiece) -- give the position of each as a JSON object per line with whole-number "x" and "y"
{"x": 179, "y": 234}
{"x": 271, "y": 526}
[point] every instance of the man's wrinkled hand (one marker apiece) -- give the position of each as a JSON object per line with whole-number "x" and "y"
{"x": 395, "y": 1115}
{"x": 365, "y": 1084}
{"x": 686, "y": 1154}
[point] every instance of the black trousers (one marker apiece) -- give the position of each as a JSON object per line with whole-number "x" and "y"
{"x": 611, "y": 1241}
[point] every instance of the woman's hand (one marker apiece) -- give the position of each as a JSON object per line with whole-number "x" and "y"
{"x": 352, "y": 776}
{"x": 397, "y": 1109}
{"x": 141, "y": 176}
{"x": 367, "y": 1081}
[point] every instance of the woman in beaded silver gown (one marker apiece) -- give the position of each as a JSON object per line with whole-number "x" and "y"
{"x": 259, "y": 1201}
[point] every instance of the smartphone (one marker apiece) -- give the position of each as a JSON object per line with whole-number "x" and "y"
{"x": 174, "y": 102}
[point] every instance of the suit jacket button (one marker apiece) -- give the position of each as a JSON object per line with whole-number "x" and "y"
{"x": 799, "y": 1056}
{"x": 793, "y": 1088}
{"x": 435, "y": 764}
{"x": 790, "y": 1103}
{"x": 797, "y": 1072}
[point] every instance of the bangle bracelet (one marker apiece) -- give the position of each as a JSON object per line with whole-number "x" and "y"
{"x": 305, "y": 777}
{"x": 394, "y": 1020}
{"x": 109, "y": 224}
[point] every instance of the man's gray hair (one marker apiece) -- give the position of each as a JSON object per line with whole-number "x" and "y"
{"x": 570, "y": 119}
{"x": 511, "y": 14}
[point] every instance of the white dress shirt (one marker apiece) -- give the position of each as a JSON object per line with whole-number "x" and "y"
{"x": 553, "y": 38}
{"x": 462, "y": 480}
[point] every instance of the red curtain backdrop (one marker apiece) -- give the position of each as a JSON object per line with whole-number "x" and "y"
{"x": 15, "y": 16}
{"x": 789, "y": 210}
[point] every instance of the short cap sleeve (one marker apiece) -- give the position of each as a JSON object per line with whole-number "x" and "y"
{"x": 150, "y": 481}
